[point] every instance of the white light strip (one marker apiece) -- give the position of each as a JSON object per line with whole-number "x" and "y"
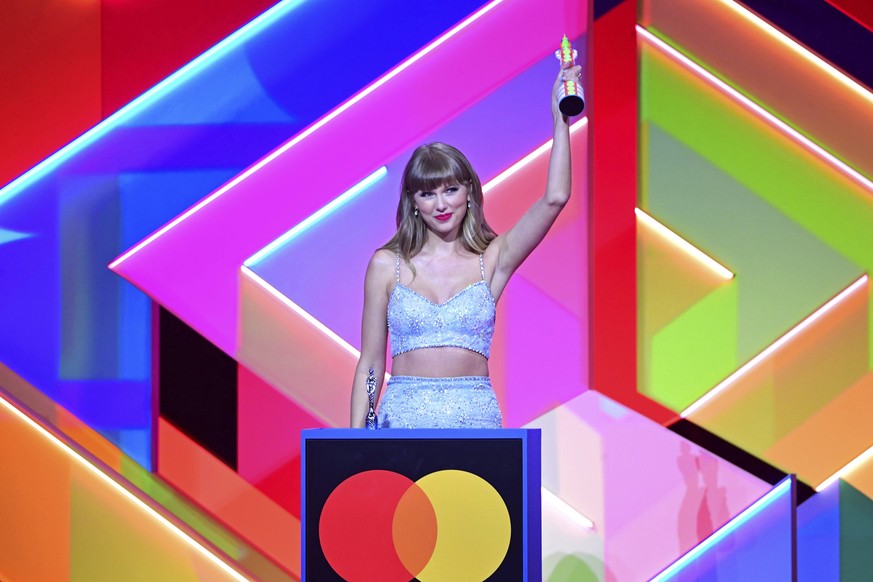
{"x": 320, "y": 214}
{"x": 505, "y": 174}
{"x": 326, "y": 330}
{"x": 300, "y": 311}
{"x": 567, "y": 509}
{"x": 717, "y": 268}
{"x": 310, "y": 130}
{"x": 800, "y": 50}
{"x": 816, "y": 315}
{"x": 757, "y": 109}
{"x": 139, "y": 104}
{"x": 851, "y": 466}
{"x": 72, "y": 454}
{"x": 677, "y": 566}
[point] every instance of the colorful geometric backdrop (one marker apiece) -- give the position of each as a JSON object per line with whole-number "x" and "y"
{"x": 182, "y": 283}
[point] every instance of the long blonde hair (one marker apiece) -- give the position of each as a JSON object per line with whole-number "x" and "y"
{"x": 431, "y": 166}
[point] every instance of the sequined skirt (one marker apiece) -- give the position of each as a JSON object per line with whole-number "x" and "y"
{"x": 417, "y": 402}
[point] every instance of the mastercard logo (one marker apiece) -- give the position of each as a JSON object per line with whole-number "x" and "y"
{"x": 381, "y": 525}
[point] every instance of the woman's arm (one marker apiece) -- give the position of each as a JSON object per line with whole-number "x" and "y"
{"x": 517, "y": 243}
{"x": 374, "y": 334}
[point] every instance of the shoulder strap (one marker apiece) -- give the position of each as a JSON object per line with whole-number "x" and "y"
{"x": 482, "y": 265}
{"x": 397, "y": 267}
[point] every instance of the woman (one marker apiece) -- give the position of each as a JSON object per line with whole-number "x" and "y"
{"x": 437, "y": 282}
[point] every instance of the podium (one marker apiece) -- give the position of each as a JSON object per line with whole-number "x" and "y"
{"x": 400, "y": 504}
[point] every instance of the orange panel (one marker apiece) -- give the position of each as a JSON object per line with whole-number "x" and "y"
{"x": 34, "y": 504}
{"x": 716, "y": 35}
{"x": 862, "y": 478}
{"x": 831, "y": 438}
{"x": 781, "y": 393}
{"x": 271, "y": 330}
{"x": 61, "y": 419}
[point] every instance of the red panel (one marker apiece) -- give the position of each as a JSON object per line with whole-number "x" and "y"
{"x": 613, "y": 224}
{"x": 49, "y": 78}
{"x": 268, "y": 443}
{"x": 66, "y": 64}
{"x": 224, "y": 494}
{"x": 143, "y": 42}
{"x": 861, "y": 11}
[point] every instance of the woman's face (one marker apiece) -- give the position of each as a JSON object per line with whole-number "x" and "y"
{"x": 442, "y": 209}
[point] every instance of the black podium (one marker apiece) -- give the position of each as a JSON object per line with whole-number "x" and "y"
{"x": 395, "y": 504}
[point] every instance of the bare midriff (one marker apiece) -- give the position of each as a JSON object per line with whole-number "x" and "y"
{"x": 443, "y": 362}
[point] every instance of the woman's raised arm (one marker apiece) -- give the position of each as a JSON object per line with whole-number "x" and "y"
{"x": 514, "y": 246}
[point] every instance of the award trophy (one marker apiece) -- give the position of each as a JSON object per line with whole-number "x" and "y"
{"x": 571, "y": 99}
{"x": 372, "y": 420}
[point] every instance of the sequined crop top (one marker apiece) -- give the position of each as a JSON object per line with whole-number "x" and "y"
{"x": 466, "y": 320}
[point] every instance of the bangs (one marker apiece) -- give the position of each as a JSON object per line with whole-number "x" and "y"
{"x": 434, "y": 169}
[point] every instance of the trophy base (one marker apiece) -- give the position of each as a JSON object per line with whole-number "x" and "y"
{"x": 571, "y": 105}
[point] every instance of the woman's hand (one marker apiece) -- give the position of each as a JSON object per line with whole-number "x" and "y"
{"x": 570, "y": 73}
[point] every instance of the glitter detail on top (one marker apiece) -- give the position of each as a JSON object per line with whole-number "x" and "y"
{"x": 466, "y": 320}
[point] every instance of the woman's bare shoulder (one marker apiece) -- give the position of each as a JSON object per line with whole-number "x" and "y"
{"x": 381, "y": 266}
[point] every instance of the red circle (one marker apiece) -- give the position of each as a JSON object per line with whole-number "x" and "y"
{"x": 356, "y": 523}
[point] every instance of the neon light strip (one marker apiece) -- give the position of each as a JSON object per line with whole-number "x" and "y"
{"x": 318, "y": 216}
{"x": 757, "y": 109}
{"x": 816, "y": 315}
{"x": 505, "y": 174}
{"x": 300, "y": 311}
{"x": 309, "y": 130}
{"x": 71, "y": 453}
{"x": 326, "y": 330}
{"x": 772, "y": 496}
{"x": 138, "y": 105}
{"x": 717, "y": 268}
{"x": 799, "y": 49}
{"x": 851, "y": 466}
{"x": 567, "y": 509}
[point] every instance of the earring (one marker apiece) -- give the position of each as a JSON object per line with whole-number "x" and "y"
{"x": 415, "y": 212}
{"x": 468, "y": 204}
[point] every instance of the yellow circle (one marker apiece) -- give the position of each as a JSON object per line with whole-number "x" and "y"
{"x": 473, "y": 527}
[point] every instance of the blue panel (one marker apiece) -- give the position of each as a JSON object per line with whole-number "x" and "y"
{"x": 67, "y": 324}
{"x": 818, "y": 537}
{"x": 758, "y": 544}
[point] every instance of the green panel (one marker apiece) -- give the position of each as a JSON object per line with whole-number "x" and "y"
{"x": 573, "y": 568}
{"x": 856, "y": 534}
{"x": 762, "y": 160}
{"x": 695, "y": 351}
{"x": 784, "y": 273}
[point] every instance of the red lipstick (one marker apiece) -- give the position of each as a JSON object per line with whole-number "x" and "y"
{"x": 443, "y": 217}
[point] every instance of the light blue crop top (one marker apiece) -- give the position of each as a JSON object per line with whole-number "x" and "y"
{"x": 466, "y": 320}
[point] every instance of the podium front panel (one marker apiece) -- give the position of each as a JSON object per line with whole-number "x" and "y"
{"x": 399, "y": 504}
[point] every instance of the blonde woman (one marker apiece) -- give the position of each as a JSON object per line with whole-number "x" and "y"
{"x": 432, "y": 289}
